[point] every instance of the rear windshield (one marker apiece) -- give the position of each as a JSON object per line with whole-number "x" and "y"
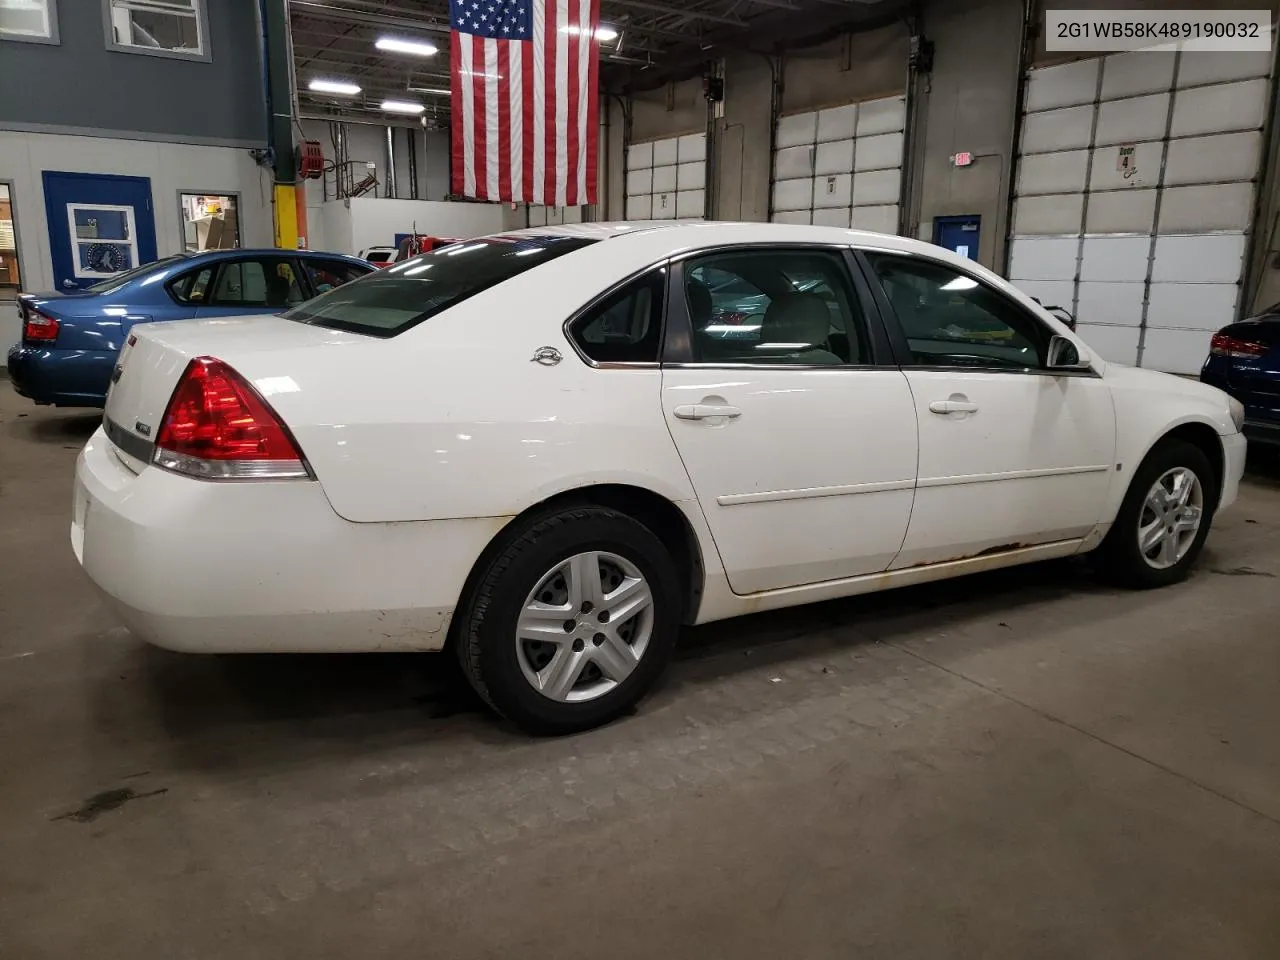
{"x": 390, "y": 301}
{"x": 120, "y": 279}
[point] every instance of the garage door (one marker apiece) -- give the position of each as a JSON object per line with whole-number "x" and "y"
{"x": 840, "y": 166}
{"x": 666, "y": 179}
{"x": 1134, "y": 197}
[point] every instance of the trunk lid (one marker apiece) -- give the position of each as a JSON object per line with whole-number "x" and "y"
{"x": 265, "y": 350}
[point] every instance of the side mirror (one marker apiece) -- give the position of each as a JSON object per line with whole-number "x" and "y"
{"x": 1065, "y": 355}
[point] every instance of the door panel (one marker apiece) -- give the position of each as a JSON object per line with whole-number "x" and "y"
{"x": 1030, "y": 463}
{"x": 99, "y": 226}
{"x": 811, "y": 477}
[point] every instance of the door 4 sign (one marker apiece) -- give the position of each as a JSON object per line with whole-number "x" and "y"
{"x": 1127, "y": 160}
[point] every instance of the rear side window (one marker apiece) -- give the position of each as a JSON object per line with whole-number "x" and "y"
{"x": 193, "y": 287}
{"x": 626, "y": 327}
{"x": 391, "y": 301}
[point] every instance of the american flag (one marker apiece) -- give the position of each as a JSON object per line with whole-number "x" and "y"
{"x": 525, "y": 100}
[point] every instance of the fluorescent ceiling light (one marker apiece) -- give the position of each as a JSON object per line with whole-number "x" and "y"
{"x": 419, "y": 48}
{"x": 603, "y": 33}
{"x": 402, "y": 106}
{"x": 433, "y": 91}
{"x": 334, "y": 86}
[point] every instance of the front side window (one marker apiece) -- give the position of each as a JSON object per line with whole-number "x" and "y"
{"x": 165, "y": 27}
{"x": 774, "y": 307}
{"x": 29, "y": 20}
{"x": 627, "y": 326}
{"x": 952, "y": 320}
{"x": 266, "y": 282}
{"x": 326, "y": 275}
{"x": 388, "y": 302}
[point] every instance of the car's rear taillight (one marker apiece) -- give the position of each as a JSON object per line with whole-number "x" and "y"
{"x": 218, "y": 427}
{"x": 39, "y": 328}
{"x": 1224, "y": 346}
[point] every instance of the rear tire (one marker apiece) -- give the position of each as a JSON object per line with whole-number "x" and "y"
{"x": 572, "y": 621}
{"x": 1163, "y": 520}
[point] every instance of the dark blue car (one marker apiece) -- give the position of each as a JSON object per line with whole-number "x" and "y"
{"x": 1244, "y": 360}
{"x": 70, "y": 340}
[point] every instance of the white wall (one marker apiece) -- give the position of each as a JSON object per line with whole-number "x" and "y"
{"x": 351, "y": 226}
{"x": 170, "y": 167}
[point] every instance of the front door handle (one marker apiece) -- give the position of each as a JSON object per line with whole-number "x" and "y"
{"x": 945, "y": 407}
{"x": 706, "y": 411}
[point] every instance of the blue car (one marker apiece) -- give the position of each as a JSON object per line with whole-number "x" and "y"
{"x": 70, "y": 340}
{"x": 1244, "y": 360}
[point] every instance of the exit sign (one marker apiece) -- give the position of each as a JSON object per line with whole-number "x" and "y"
{"x": 962, "y": 159}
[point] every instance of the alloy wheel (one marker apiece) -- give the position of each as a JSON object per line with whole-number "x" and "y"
{"x": 1170, "y": 518}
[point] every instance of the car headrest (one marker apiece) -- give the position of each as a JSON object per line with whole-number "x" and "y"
{"x": 699, "y": 295}
{"x": 800, "y": 318}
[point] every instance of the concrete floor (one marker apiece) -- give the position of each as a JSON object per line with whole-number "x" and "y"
{"x": 1020, "y": 765}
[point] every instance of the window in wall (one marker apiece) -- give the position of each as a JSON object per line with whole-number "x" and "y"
{"x": 627, "y": 326}
{"x": 209, "y": 221}
{"x": 163, "y": 27}
{"x": 261, "y": 282}
{"x": 35, "y": 20}
{"x": 774, "y": 306}
{"x": 952, "y": 320}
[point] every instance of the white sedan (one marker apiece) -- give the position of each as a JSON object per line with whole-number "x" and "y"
{"x": 547, "y": 450}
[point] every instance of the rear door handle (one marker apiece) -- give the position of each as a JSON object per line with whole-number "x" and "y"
{"x": 705, "y": 411}
{"x": 952, "y": 406}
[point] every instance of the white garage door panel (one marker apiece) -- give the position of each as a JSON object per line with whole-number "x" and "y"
{"x": 1200, "y": 67}
{"x": 833, "y": 191}
{"x": 837, "y": 123}
{"x": 833, "y": 157}
{"x": 876, "y": 187}
{"x": 1224, "y": 206}
{"x": 1113, "y": 344}
{"x": 690, "y": 203}
{"x": 1051, "y": 213}
{"x": 883, "y": 219}
{"x": 640, "y": 155}
{"x": 1055, "y": 130}
{"x": 879, "y": 153}
{"x": 1133, "y": 120}
{"x": 664, "y": 205}
{"x": 1119, "y": 304}
{"x": 1216, "y": 258}
{"x": 1051, "y": 293}
{"x": 664, "y": 178}
{"x": 831, "y": 217}
{"x": 1228, "y": 156}
{"x": 1132, "y": 74}
{"x": 1043, "y": 258}
{"x": 639, "y": 182}
{"x": 799, "y": 128}
{"x": 881, "y": 116}
{"x": 1176, "y": 351}
{"x": 1194, "y": 306}
{"x": 793, "y": 162}
{"x": 1062, "y": 86}
{"x": 666, "y": 152}
{"x": 692, "y": 147}
{"x": 793, "y": 195}
{"x": 1115, "y": 258}
{"x": 1053, "y": 172}
{"x": 639, "y": 208}
{"x": 1121, "y": 211}
{"x": 1219, "y": 108}
{"x": 691, "y": 176}
{"x": 1106, "y": 174}
{"x": 791, "y": 216}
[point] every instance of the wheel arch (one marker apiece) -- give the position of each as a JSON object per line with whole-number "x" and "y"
{"x": 658, "y": 513}
{"x": 1200, "y": 434}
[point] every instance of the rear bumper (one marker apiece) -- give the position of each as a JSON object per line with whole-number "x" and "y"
{"x": 67, "y": 378}
{"x": 1262, "y": 432}
{"x": 266, "y": 566}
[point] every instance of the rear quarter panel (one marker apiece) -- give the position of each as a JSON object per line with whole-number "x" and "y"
{"x": 453, "y": 419}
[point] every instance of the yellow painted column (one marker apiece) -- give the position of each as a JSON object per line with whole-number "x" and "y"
{"x": 286, "y": 216}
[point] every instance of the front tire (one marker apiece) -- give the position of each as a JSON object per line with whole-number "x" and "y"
{"x": 1164, "y": 519}
{"x": 572, "y": 621}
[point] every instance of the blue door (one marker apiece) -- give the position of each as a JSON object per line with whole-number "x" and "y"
{"x": 99, "y": 225}
{"x": 959, "y": 234}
